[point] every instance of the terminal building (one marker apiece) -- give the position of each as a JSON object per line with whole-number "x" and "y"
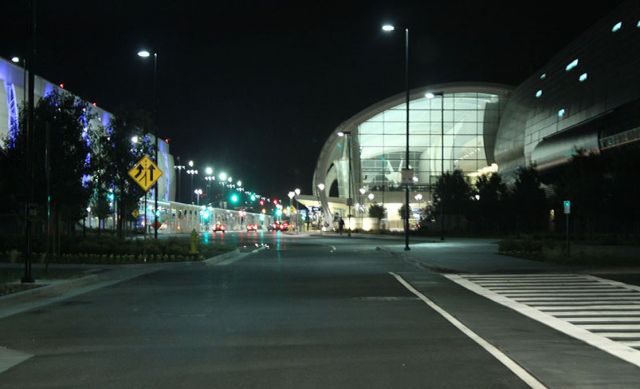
{"x": 587, "y": 97}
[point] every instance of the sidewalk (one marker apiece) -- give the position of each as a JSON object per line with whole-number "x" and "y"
{"x": 468, "y": 255}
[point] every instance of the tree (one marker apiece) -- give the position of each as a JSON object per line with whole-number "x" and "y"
{"x": 377, "y": 211}
{"x": 587, "y": 182}
{"x": 454, "y": 193}
{"x": 59, "y": 141}
{"x": 121, "y": 145}
{"x": 528, "y": 201}
{"x": 489, "y": 203}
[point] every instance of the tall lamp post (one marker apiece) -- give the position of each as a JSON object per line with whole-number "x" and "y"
{"x": 208, "y": 176}
{"x": 191, "y": 172}
{"x": 147, "y": 54}
{"x": 431, "y": 95}
{"x": 179, "y": 168}
{"x": 198, "y": 192}
{"x": 406, "y": 174}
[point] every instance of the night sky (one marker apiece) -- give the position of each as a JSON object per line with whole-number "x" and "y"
{"x": 254, "y": 88}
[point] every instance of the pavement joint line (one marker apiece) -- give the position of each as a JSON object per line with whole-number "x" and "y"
{"x": 598, "y": 340}
{"x": 9, "y": 358}
{"x": 509, "y": 363}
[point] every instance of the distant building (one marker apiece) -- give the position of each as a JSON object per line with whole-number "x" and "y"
{"x": 587, "y": 97}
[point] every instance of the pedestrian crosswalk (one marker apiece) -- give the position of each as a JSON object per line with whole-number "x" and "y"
{"x": 601, "y": 312}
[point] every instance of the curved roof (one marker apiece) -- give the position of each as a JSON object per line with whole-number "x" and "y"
{"x": 400, "y": 98}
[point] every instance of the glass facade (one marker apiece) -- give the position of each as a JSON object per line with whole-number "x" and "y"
{"x": 448, "y": 129}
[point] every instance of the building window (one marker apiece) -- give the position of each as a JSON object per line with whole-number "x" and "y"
{"x": 583, "y": 77}
{"x": 572, "y": 65}
{"x": 616, "y": 27}
{"x": 539, "y": 93}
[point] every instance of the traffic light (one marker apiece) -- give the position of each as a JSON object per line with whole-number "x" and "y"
{"x": 253, "y": 197}
{"x": 261, "y": 202}
{"x": 234, "y": 198}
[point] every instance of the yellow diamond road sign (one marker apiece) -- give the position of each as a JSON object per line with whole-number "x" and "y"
{"x": 145, "y": 173}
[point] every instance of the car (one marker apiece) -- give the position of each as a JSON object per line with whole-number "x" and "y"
{"x": 219, "y": 227}
{"x": 252, "y": 227}
{"x": 279, "y": 226}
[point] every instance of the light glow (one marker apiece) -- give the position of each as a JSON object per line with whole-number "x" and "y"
{"x": 572, "y": 65}
{"x": 15, "y": 59}
{"x": 388, "y": 28}
{"x": 539, "y": 93}
{"x": 583, "y": 77}
{"x": 616, "y": 27}
{"x": 208, "y": 170}
{"x": 143, "y": 53}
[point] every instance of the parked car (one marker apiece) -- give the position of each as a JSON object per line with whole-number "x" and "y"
{"x": 252, "y": 227}
{"x": 219, "y": 227}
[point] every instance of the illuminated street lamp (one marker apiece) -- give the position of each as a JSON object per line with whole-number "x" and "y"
{"x": 198, "y": 192}
{"x": 179, "y": 168}
{"x": 191, "y": 173}
{"x": 389, "y": 28}
{"x": 146, "y": 54}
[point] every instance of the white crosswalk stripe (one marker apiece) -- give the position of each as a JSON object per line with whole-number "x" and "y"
{"x": 601, "y": 312}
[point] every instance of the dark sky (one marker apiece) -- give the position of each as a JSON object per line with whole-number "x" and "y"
{"x": 254, "y": 88}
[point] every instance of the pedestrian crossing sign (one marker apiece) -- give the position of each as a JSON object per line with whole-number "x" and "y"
{"x": 145, "y": 173}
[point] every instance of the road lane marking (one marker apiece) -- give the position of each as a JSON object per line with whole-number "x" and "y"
{"x": 558, "y": 312}
{"x": 9, "y": 358}
{"x": 524, "y": 375}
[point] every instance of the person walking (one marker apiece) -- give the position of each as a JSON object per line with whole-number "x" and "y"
{"x": 341, "y": 225}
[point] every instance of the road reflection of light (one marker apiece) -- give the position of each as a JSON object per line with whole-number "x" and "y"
{"x": 205, "y": 238}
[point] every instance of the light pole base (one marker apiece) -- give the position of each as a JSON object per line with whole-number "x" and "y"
{"x": 407, "y": 248}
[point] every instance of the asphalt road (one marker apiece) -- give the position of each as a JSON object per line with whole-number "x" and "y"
{"x": 306, "y": 312}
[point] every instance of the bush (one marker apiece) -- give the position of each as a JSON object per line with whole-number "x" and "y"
{"x": 377, "y": 211}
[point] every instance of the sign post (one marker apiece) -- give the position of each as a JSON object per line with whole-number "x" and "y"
{"x": 146, "y": 173}
{"x": 567, "y": 212}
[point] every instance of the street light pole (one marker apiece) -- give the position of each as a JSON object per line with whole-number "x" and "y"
{"x": 442, "y": 164}
{"x": 146, "y": 54}
{"x": 405, "y": 175}
{"x": 179, "y": 168}
{"x": 406, "y": 188}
